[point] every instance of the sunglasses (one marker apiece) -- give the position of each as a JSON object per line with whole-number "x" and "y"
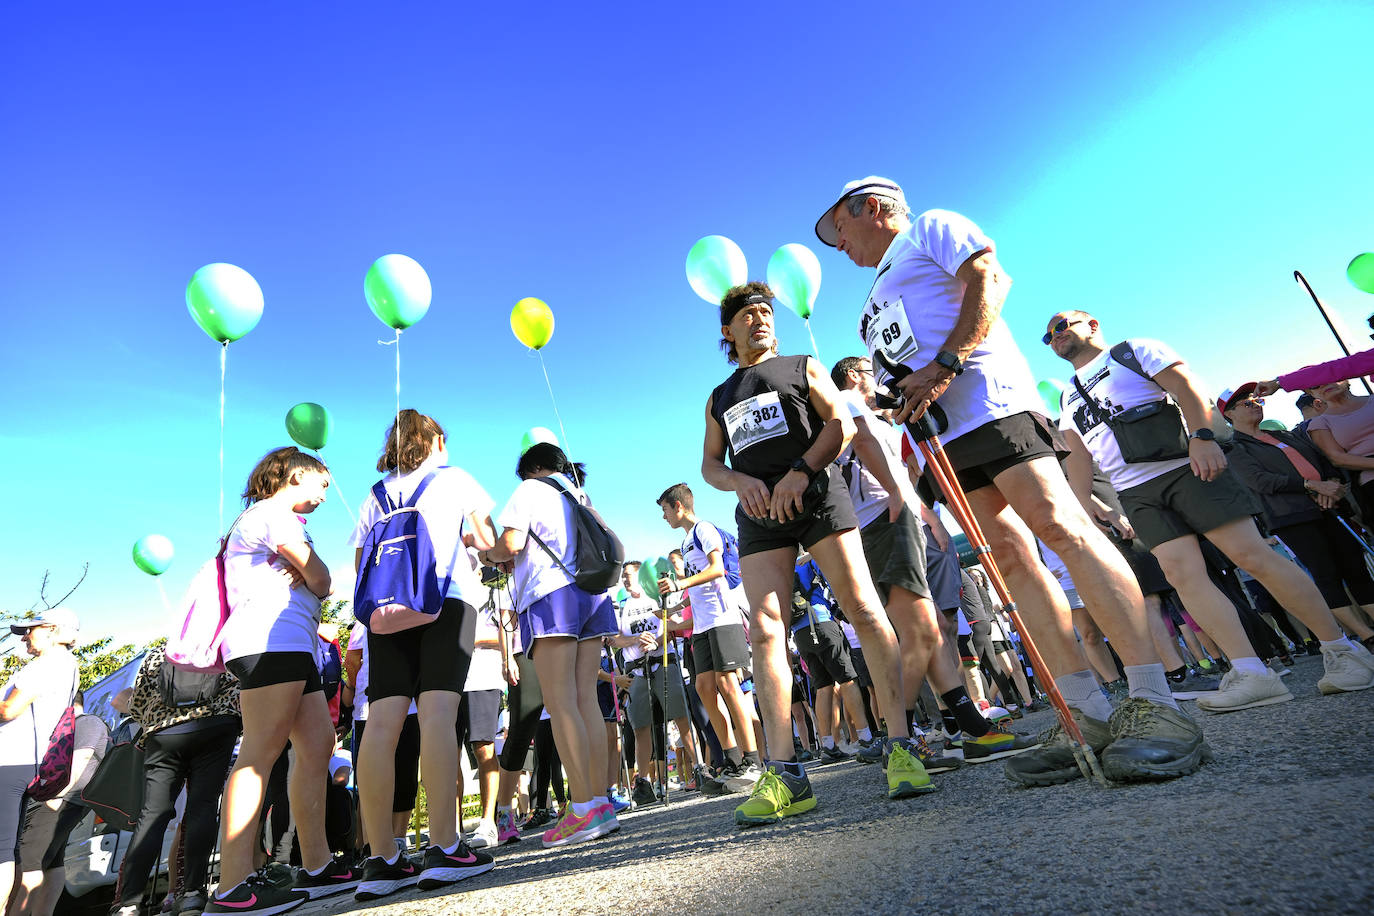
{"x": 1060, "y": 326}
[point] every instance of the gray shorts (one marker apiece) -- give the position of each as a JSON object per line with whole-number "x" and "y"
{"x": 896, "y": 553}
{"x": 1178, "y": 504}
{"x": 647, "y": 690}
{"x": 479, "y": 711}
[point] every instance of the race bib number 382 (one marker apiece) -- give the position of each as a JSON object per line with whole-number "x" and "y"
{"x": 755, "y": 420}
{"x": 885, "y": 327}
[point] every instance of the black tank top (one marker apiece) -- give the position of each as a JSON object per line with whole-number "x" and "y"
{"x": 766, "y": 413}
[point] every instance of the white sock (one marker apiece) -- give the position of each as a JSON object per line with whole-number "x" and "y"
{"x": 828, "y": 742}
{"x": 450, "y": 850}
{"x": 1149, "y": 682}
{"x": 1342, "y": 643}
{"x": 582, "y": 809}
{"x": 1250, "y": 665}
{"x": 865, "y": 735}
{"x": 1080, "y": 691}
{"x": 394, "y": 859}
{"x": 601, "y": 800}
{"x": 316, "y": 872}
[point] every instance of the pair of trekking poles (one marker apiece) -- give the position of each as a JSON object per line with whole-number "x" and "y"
{"x": 925, "y": 432}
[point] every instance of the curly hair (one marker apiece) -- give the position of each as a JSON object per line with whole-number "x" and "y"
{"x": 274, "y": 471}
{"x": 734, "y": 301}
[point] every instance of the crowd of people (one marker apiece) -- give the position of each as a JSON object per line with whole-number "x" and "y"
{"x": 1159, "y": 546}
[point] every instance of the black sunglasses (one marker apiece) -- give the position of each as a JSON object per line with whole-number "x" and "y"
{"x": 1060, "y": 326}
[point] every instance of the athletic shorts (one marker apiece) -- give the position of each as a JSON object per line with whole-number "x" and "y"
{"x": 833, "y": 514}
{"x": 605, "y": 698}
{"x": 43, "y": 843}
{"x": 435, "y": 656}
{"x": 1178, "y": 504}
{"x": 942, "y": 572}
{"x": 268, "y": 668}
{"x": 721, "y": 648}
{"x": 896, "y": 553}
{"x": 1075, "y": 602}
{"x": 646, "y": 692}
{"x": 856, "y": 658}
{"x": 569, "y": 611}
{"x": 478, "y": 712}
{"x": 979, "y": 456}
{"x": 826, "y": 653}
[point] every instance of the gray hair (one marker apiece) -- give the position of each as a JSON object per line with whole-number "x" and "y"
{"x": 886, "y": 205}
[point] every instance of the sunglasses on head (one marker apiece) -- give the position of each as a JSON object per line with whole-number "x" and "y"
{"x": 1060, "y": 326}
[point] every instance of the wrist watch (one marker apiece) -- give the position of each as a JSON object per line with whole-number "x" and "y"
{"x": 949, "y": 361}
{"x": 799, "y": 464}
{"x": 1206, "y": 435}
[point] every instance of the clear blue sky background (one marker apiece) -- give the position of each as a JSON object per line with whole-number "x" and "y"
{"x": 1162, "y": 165}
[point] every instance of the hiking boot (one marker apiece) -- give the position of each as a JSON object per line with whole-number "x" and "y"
{"x": 440, "y": 868}
{"x": 644, "y": 793}
{"x": 1243, "y": 690}
{"x": 337, "y": 876}
{"x": 935, "y": 761}
{"x": 997, "y": 743}
{"x": 775, "y": 796}
{"x": 381, "y": 877}
{"x": 1150, "y": 741}
{"x": 1345, "y": 671}
{"x": 1053, "y": 761}
{"x": 257, "y": 895}
{"x": 1191, "y": 683}
{"x": 906, "y": 777}
{"x": 1116, "y": 691}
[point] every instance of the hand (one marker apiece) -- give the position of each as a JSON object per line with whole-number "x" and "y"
{"x": 896, "y": 502}
{"x": 1333, "y": 489}
{"x": 920, "y": 388}
{"x": 1326, "y": 502}
{"x": 1264, "y": 389}
{"x": 753, "y": 496}
{"x": 293, "y": 575}
{"x": 622, "y": 681}
{"x": 1206, "y": 459}
{"x": 941, "y": 535}
{"x": 787, "y": 496}
{"x": 648, "y": 642}
{"x": 510, "y": 672}
{"x": 1114, "y": 520}
{"x": 666, "y": 586}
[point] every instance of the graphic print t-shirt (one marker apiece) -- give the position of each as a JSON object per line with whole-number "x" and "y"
{"x": 639, "y": 614}
{"x": 714, "y": 603}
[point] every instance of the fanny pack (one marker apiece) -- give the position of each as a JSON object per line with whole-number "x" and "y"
{"x": 1148, "y": 432}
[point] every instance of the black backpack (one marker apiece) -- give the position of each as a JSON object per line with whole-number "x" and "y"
{"x": 598, "y": 554}
{"x": 182, "y": 689}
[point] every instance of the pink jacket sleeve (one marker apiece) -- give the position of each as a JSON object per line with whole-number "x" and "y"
{"x": 1353, "y": 366}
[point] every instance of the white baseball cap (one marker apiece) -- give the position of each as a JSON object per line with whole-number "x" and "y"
{"x": 59, "y": 617}
{"x": 872, "y": 186}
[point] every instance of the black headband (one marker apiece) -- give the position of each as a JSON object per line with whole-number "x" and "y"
{"x": 726, "y": 316}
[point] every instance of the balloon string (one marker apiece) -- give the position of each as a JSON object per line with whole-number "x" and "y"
{"x": 814, "y": 348}
{"x": 567, "y": 446}
{"x": 338, "y": 490}
{"x": 161, "y": 590}
{"x": 223, "y": 354}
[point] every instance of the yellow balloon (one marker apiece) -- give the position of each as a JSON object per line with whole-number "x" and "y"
{"x": 532, "y": 322}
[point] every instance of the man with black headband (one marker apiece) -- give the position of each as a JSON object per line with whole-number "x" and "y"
{"x": 935, "y": 303}
{"x": 779, "y": 420}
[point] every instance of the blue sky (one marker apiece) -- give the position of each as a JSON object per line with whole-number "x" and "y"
{"x": 1164, "y": 167}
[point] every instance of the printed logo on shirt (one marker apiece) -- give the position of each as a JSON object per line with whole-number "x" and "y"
{"x": 755, "y": 420}
{"x": 885, "y": 327}
{"x": 1092, "y": 413}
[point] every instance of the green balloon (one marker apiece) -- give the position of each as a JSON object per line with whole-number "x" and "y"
{"x": 794, "y": 273}
{"x": 397, "y": 290}
{"x": 664, "y": 568}
{"x": 1050, "y": 389}
{"x": 535, "y": 436}
{"x": 714, "y": 265}
{"x": 225, "y": 301}
{"x": 153, "y": 554}
{"x": 620, "y": 596}
{"x": 648, "y": 576}
{"x": 309, "y": 424}
{"x": 1273, "y": 426}
{"x": 1361, "y": 271}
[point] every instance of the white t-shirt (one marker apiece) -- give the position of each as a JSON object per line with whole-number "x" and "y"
{"x": 639, "y": 614}
{"x": 451, "y": 496}
{"x": 51, "y": 680}
{"x": 265, "y": 613}
{"x": 485, "y": 671}
{"x": 869, "y": 496}
{"x": 913, "y": 306}
{"x": 714, "y": 603}
{"x": 538, "y": 509}
{"x": 357, "y": 639}
{"x": 1115, "y": 388}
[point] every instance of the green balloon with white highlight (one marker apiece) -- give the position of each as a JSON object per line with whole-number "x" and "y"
{"x": 225, "y": 301}
{"x": 794, "y": 274}
{"x": 715, "y": 264}
{"x": 535, "y": 436}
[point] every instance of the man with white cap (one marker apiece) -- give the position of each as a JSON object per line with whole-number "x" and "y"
{"x": 934, "y": 305}
{"x": 30, "y": 706}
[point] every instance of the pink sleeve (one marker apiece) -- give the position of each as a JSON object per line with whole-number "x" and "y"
{"x": 1353, "y": 366}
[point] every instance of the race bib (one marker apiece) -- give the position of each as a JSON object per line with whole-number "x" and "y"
{"x": 885, "y": 328}
{"x": 755, "y": 420}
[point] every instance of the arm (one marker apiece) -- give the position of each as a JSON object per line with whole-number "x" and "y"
{"x": 715, "y": 569}
{"x": 1078, "y": 467}
{"x": 507, "y": 546}
{"x": 937, "y": 527}
{"x": 883, "y": 466}
{"x": 481, "y": 533}
{"x": 1339, "y": 456}
{"x": 15, "y": 702}
{"x": 834, "y": 436}
{"x": 752, "y": 492}
{"x": 1352, "y": 366}
{"x": 1206, "y": 458}
{"x": 1262, "y": 480}
{"x": 308, "y": 563}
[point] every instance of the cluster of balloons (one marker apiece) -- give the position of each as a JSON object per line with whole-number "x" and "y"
{"x": 715, "y": 263}
{"x": 1361, "y": 271}
{"x": 153, "y": 554}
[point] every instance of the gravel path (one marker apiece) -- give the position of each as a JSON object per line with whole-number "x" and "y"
{"x": 1281, "y": 822}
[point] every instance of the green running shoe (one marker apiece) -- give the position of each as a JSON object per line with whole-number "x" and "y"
{"x": 906, "y": 777}
{"x": 775, "y": 796}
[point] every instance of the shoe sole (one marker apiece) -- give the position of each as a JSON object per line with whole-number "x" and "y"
{"x": 1267, "y": 701}
{"x": 1145, "y": 772}
{"x": 801, "y": 807}
{"x": 261, "y": 911}
{"x": 1052, "y": 778}
{"x": 432, "y": 878}
{"x": 326, "y": 890}
{"x": 1329, "y": 689}
{"x": 740, "y": 783}
{"x": 1189, "y": 694}
{"x": 935, "y": 768}
{"x": 581, "y": 836}
{"x": 997, "y": 755}
{"x": 909, "y": 789}
{"x": 371, "y": 890}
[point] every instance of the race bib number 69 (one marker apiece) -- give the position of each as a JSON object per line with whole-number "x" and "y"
{"x": 755, "y": 420}
{"x": 885, "y": 327}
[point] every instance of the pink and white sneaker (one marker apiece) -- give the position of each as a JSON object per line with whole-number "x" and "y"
{"x": 573, "y": 829}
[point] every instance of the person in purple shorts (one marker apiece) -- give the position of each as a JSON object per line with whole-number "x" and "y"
{"x": 561, "y": 627}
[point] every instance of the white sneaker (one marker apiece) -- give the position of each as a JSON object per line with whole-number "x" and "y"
{"x": 1345, "y": 671}
{"x": 745, "y": 780}
{"x": 1362, "y": 655}
{"x": 485, "y": 836}
{"x": 1242, "y": 690}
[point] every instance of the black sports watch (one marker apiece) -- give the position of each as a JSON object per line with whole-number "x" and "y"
{"x": 1206, "y": 435}
{"x": 799, "y": 464}
{"x": 949, "y": 361}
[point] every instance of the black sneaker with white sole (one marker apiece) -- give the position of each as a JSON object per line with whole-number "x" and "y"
{"x": 441, "y": 868}
{"x": 381, "y": 877}
{"x": 258, "y": 896}
{"x": 338, "y": 876}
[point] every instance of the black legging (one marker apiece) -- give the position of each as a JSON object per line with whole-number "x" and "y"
{"x": 702, "y": 722}
{"x": 982, "y": 645}
{"x": 548, "y": 768}
{"x": 525, "y": 703}
{"x": 1333, "y": 557}
{"x": 199, "y": 758}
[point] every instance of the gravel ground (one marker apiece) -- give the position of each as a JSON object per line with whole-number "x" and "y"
{"x": 1281, "y": 822}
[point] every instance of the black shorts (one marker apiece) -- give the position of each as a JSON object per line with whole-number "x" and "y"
{"x": 478, "y": 712}
{"x": 942, "y": 572}
{"x": 826, "y": 653}
{"x": 979, "y": 456}
{"x": 856, "y": 658}
{"x": 43, "y": 841}
{"x": 896, "y": 554}
{"x": 1149, "y": 575}
{"x": 268, "y": 668}
{"x": 435, "y": 656}
{"x": 721, "y": 648}
{"x": 605, "y": 698}
{"x": 833, "y": 513}
{"x": 1178, "y": 504}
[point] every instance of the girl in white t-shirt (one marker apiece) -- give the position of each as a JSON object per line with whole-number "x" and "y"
{"x": 561, "y": 627}
{"x": 275, "y": 581}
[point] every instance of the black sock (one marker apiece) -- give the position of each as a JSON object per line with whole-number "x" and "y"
{"x": 950, "y": 723}
{"x": 1178, "y": 673}
{"x": 910, "y": 718}
{"x": 751, "y": 758}
{"x": 733, "y": 756}
{"x": 790, "y": 767}
{"x": 965, "y": 713}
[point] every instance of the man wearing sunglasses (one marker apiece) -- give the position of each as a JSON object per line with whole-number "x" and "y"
{"x": 1115, "y": 409}
{"x": 935, "y": 303}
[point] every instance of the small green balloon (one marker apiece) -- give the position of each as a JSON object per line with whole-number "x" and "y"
{"x": 153, "y": 554}
{"x": 535, "y": 436}
{"x": 225, "y": 301}
{"x": 648, "y": 576}
{"x": 1050, "y": 390}
{"x": 794, "y": 273}
{"x": 620, "y": 596}
{"x": 664, "y": 567}
{"x": 1273, "y": 426}
{"x": 714, "y": 264}
{"x": 398, "y": 290}
{"x": 309, "y": 424}
{"x": 1361, "y": 271}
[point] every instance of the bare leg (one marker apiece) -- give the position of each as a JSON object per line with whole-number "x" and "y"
{"x": 1353, "y": 621}
{"x": 1168, "y": 651}
{"x": 1183, "y": 564}
{"x": 768, "y": 586}
{"x": 612, "y": 754}
{"x": 1093, "y": 646}
{"x": 727, "y": 685}
{"x": 556, "y": 665}
{"x": 720, "y": 720}
{"x": 312, "y": 741}
{"x": 377, "y": 771}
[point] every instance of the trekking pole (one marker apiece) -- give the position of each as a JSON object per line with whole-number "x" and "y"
{"x": 923, "y": 430}
{"x": 1364, "y": 545}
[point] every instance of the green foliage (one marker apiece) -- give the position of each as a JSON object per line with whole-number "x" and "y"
{"x": 97, "y": 659}
{"x": 339, "y": 611}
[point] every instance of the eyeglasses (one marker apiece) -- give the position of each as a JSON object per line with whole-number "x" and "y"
{"x": 1060, "y": 326}
{"x": 862, "y": 371}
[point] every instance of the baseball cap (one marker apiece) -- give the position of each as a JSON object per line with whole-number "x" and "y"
{"x": 59, "y": 617}
{"x": 871, "y": 186}
{"x": 1239, "y": 393}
